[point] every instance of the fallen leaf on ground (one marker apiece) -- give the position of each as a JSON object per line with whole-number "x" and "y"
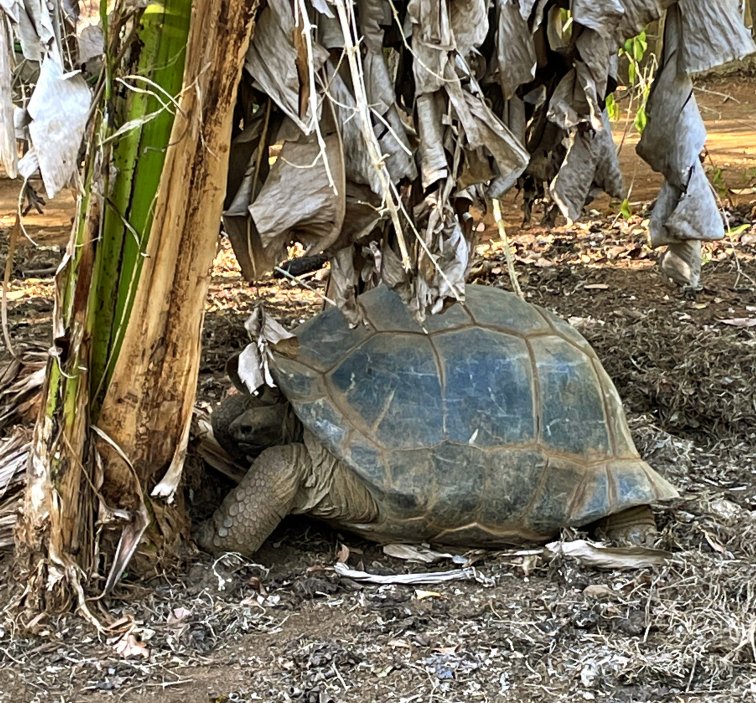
{"x": 740, "y": 322}
{"x": 529, "y": 563}
{"x": 723, "y": 510}
{"x": 601, "y": 557}
{"x": 343, "y": 554}
{"x": 421, "y": 595}
{"x": 599, "y": 590}
{"x": 13, "y": 295}
{"x": 715, "y": 544}
{"x": 129, "y": 646}
{"x": 415, "y": 552}
{"x": 428, "y": 577}
{"x": 178, "y": 615}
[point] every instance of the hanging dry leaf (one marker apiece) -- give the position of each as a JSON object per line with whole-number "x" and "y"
{"x": 252, "y": 365}
{"x": 8, "y": 147}
{"x": 58, "y": 107}
{"x": 425, "y": 140}
{"x": 309, "y": 178}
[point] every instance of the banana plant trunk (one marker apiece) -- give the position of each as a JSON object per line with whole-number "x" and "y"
{"x": 113, "y": 429}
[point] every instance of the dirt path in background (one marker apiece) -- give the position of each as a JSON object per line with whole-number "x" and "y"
{"x": 728, "y": 108}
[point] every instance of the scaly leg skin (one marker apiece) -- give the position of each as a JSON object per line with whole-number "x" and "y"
{"x": 252, "y": 510}
{"x": 634, "y": 526}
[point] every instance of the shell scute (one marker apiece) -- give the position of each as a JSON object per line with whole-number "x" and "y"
{"x": 505, "y": 312}
{"x": 488, "y": 388}
{"x": 391, "y": 385}
{"x": 571, "y": 402}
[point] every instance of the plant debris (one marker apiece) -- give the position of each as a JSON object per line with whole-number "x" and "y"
{"x": 294, "y": 630}
{"x": 381, "y": 153}
{"x": 599, "y": 556}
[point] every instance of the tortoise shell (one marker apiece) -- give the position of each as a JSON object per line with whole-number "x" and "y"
{"x": 493, "y": 422}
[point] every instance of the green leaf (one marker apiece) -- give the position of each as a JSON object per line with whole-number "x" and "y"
{"x": 612, "y": 109}
{"x": 639, "y": 46}
{"x": 625, "y": 210}
{"x": 641, "y": 119}
{"x": 737, "y": 231}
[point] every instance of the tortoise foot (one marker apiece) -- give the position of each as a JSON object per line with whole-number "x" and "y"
{"x": 634, "y": 526}
{"x": 203, "y": 536}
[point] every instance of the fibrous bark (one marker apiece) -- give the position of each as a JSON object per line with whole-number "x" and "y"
{"x": 120, "y": 388}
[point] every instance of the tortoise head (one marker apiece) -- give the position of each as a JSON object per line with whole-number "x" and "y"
{"x": 246, "y": 424}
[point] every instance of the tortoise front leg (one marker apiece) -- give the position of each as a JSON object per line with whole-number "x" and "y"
{"x": 252, "y": 510}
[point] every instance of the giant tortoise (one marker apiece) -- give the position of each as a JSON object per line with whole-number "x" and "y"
{"x": 491, "y": 424}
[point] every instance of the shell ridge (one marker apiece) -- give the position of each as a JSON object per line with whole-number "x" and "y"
{"x": 609, "y": 429}
{"x": 536, "y": 389}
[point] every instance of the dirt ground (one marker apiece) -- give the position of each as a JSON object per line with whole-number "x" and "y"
{"x": 518, "y": 626}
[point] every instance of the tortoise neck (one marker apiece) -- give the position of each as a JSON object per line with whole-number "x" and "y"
{"x": 292, "y": 426}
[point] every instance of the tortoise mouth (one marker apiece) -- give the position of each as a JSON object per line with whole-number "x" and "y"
{"x": 249, "y": 450}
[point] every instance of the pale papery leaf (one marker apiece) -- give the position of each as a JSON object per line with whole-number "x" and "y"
{"x": 91, "y": 42}
{"x": 421, "y": 594}
{"x": 430, "y": 577}
{"x": 253, "y": 366}
{"x": 342, "y": 556}
{"x": 8, "y": 148}
{"x": 59, "y": 107}
{"x": 596, "y": 555}
{"x": 462, "y": 144}
{"x": 415, "y": 552}
{"x": 740, "y": 321}
{"x": 252, "y": 369}
{"x": 178, "y": 615}
{"x": 599, "y": 591}
{"x": 129, "y": 646}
